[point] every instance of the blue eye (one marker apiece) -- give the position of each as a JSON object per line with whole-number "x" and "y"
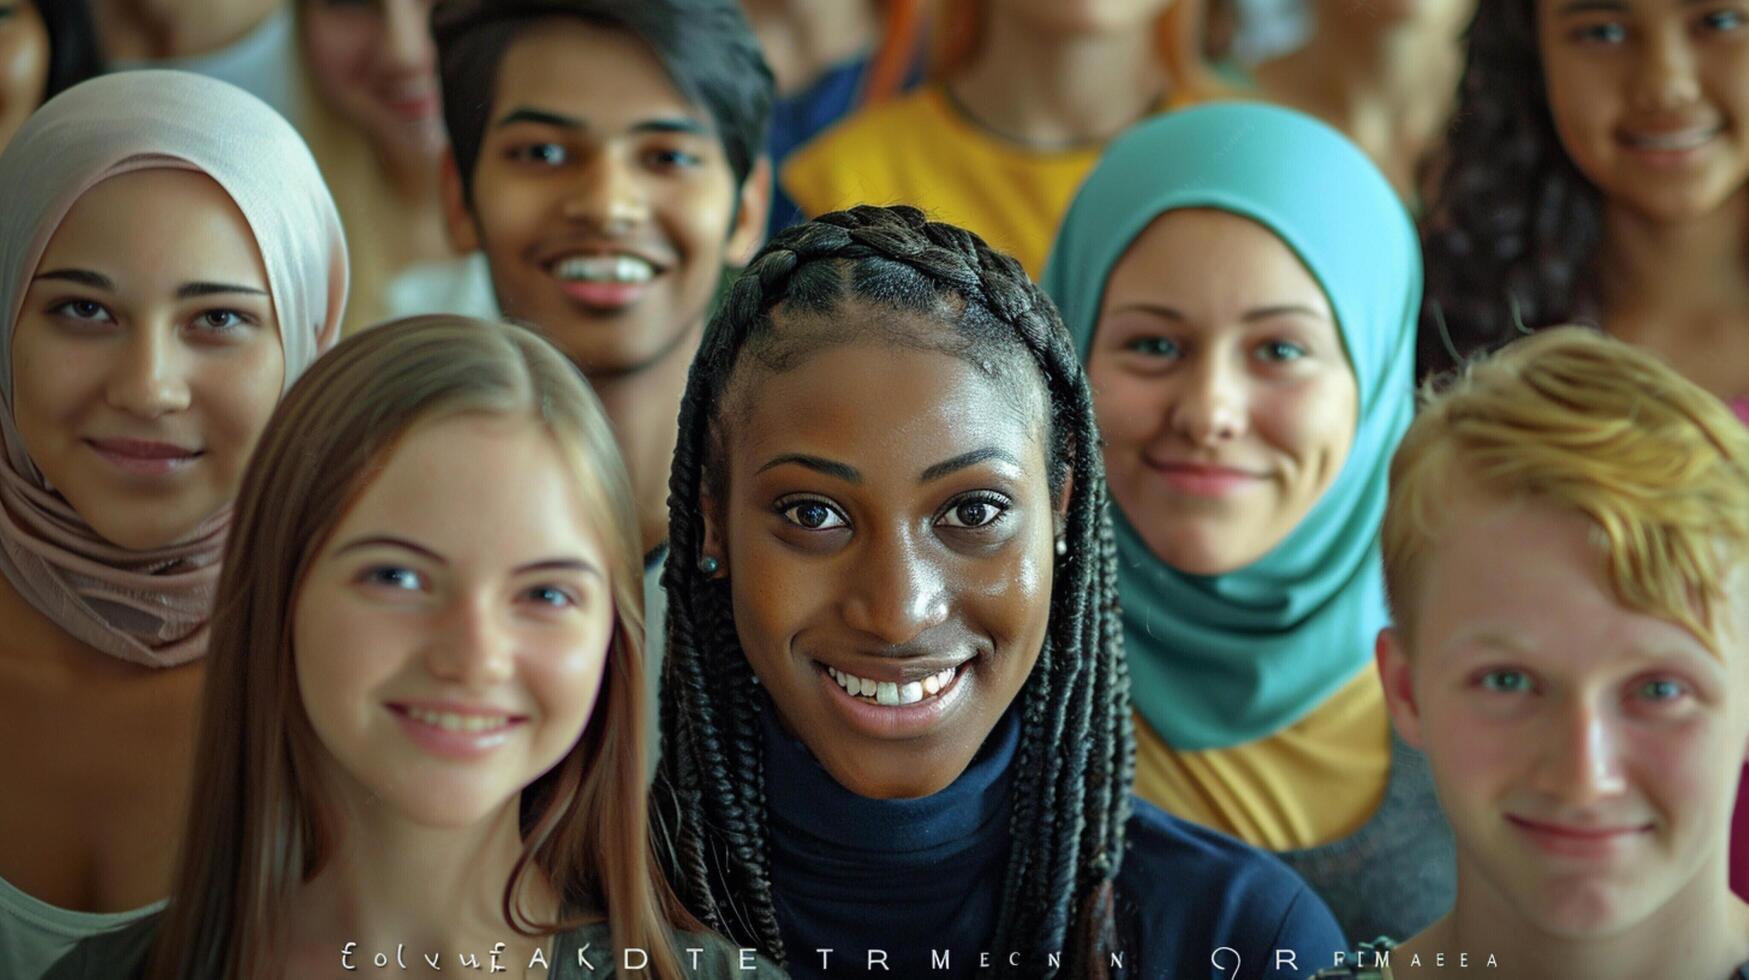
{"x": 1506, "y": 682}
{"x": 1661, "y": 689}
{"x": 975, "y": 512}
{"x": 1723, "y": 20}
{"x": 812, "y": 515}
{"x": 1280, "y": 350}
{"x": 394, "y": 577}
{"x": 550, "y": 595}
{"x": 1154, "y": 347}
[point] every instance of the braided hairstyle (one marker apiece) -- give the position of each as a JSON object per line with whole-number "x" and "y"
{"x": 1075, "y": 764}
{"x": 1511, "y": 240}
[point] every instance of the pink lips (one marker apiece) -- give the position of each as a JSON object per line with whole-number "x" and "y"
{"x": 1567, "y": 840}
{"x": 139, "y": 457}
{"x": 1204, "y": 480}
{"x": 423, "y": 724}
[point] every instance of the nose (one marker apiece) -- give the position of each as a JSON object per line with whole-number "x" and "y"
{"x": 473, "y": 648}
{"x": 1666, "y": 78}
{"x": 895, "y": 594}
{"x": 407, "y": 46}
{"x": 608, "y": 197}
{"x": 1581, "y": 760}
{"x": 150, "y": 378}
{"x": 1209, "y": 405}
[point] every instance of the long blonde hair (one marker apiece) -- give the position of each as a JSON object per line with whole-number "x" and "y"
{"x": 260, "y": 825}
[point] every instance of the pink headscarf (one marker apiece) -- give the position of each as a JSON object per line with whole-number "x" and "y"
{"x": 150, "y": 607}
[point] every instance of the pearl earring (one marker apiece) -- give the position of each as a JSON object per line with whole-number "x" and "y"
{"x": 708, "y": 565}
{"x": 1062, "y": 547}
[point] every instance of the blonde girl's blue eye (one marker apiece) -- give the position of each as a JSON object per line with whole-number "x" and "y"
{"x": 1723, "y": 20}
{"x": 392, "y": 577}
{"x": 1506, "y": 682}
{"x": 551, "y": 595}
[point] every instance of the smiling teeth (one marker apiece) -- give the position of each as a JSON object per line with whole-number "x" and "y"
{"x": 604, "y": 268}
{"x": 458, "y": 723}
{"x": 890, "y": 693}
{"x": 1673, "y": 141}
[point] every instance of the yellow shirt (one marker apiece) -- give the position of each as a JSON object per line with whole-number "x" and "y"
{"x": 1314, "y": 782}
{"x": 920, "y": 150}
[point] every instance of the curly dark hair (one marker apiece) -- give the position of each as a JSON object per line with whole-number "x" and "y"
{"x": 1075, "y": 763}
{"x": 1511, "y": 241}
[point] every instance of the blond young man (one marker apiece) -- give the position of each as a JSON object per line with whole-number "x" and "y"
{"x": 1565, "y": 552}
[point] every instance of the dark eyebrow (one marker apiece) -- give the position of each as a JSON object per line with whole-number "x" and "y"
{"x": 834, "y": 469}
{"x": 544, "y": 117}
{"x": 1592, "y": 6}
{"x": 194, "y": 290}
{"x": 541, "y": 117}
{"x": 84, "y": 277}
{"x": 1157, "y": 309}
{"x": 1265, "y": 312}
{"x": 964, "y": 460}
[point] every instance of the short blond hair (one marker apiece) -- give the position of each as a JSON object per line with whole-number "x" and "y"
{"x": 1571, "y": 417}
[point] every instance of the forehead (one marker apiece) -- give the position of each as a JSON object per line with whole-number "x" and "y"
{"x": 154, "y": 226}
{"x": 872, "y": 404}
{"x": 1531, "y": 577}
{"x": 606, "y": 74}
{"x": 1214, "y": 256}
{"x": 476, "y": 484}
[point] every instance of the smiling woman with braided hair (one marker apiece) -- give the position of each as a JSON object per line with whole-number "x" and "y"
{"x": 896, "y": 722}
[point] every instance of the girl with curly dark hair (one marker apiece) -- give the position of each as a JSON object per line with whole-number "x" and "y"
{"x": 1595, "y": 172}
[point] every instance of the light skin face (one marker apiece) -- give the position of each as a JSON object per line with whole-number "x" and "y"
{"x": 1087, "y": 16}
{"x": 1223, "y": 391}
{"x": 1650, "y": 98}
{"x": 1586, "y": 754}
{"x": 24, "y": 64}
{"x": 147, "y": 357}
{"x": 603, "y": 199}
{"x": 375, "y": 63}
{"x": 465, "y": 588}
{"x": 887, "y": 515}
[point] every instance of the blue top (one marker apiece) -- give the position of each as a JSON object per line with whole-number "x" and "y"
{"x": 906, "y": 882}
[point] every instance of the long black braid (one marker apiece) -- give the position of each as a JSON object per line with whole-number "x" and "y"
{"x": 1075, "y": 763}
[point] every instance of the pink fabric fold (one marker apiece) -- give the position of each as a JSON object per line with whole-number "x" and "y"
{"x": 150, "y": 607}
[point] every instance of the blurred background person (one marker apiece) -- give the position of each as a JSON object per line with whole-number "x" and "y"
{"x": 245, "y": 42}
{"x": 45, "y": 46}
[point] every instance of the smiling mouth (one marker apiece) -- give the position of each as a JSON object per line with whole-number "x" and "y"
{"x": 1677, "y": 142}
{"x": 891, "y": 693}
{"x": 618, "y": 270}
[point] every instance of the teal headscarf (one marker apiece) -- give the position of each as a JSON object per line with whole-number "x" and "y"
{"x": 1222, "y": 660}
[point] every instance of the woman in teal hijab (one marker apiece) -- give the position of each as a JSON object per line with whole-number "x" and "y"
{"x": 1243, "y": 286}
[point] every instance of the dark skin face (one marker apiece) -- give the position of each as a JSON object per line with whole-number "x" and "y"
{"x": 888, "y": 515}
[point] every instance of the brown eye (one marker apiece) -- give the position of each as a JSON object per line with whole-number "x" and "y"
{"x": 972, "y": 513}
{"x": 813, "y": 515}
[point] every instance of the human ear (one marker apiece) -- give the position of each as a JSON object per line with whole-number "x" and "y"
{"x": 751, "y": 213}
{"x": 1399, "y": 684}
{"x": 458, "y": 218}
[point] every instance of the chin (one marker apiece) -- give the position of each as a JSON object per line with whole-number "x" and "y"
{"x": 899, "y": 783}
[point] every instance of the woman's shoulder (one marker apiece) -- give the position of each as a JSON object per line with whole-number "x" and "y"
{"x": 1191, "y": 891}
{"x": 587, "y": 952}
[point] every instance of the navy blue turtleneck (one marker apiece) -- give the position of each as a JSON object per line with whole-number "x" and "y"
{"x": 900, "y": 882}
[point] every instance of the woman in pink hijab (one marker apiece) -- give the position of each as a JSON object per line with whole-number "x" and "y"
{"x": 170, "y": 261}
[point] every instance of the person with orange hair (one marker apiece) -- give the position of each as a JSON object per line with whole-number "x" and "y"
{"x": 1023, "y": 97}
{"x": 830, "y": 59}
{"x": 1566, "y": 552}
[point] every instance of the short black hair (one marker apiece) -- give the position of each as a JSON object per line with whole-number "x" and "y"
{"x": 707, "y": 48}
